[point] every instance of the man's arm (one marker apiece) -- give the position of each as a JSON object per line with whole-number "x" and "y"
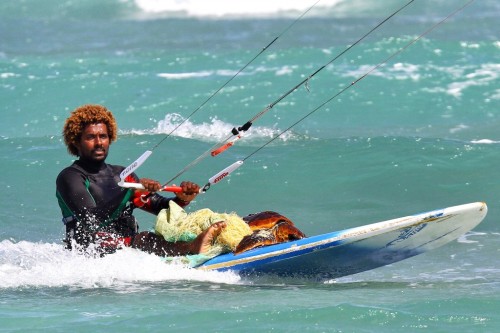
{"x": 77, "y": 205}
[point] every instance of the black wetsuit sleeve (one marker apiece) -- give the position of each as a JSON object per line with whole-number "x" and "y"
{"x": 79, "y": 208}
{"x": 73, "y": 196}
{"x": 72, "y": 190}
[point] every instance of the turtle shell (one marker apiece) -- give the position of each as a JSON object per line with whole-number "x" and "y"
{"x": 265, "y": 220}
{"x": 268, "y": 228}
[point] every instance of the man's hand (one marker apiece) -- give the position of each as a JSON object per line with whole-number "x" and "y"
{"x": 189, "y": 191}
{"x": 150, "y": 185}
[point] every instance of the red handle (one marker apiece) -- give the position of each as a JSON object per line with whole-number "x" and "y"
{"x": 175, "y": 189}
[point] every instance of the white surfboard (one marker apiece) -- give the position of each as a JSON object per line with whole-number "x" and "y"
{"x": 358, "y": 249}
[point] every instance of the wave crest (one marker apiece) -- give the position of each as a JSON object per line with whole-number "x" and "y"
{"x": 214, "y": 131}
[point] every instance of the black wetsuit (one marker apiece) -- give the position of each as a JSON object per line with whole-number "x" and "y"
{"x": 91, "y": 201}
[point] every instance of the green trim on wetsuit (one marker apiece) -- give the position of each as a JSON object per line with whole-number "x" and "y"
{"x": 65, "y": 210}
{"x": 87, "y": 186}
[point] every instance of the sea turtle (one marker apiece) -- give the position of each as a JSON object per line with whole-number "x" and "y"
{"x": 268, "y": 228}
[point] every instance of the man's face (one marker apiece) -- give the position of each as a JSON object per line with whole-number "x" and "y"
{"x": 94, "y": 142}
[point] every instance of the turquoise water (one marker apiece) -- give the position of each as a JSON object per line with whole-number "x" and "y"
{"x": 417, "y": 134}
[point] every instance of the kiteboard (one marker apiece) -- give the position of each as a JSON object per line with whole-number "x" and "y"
{"x": 355, "y": 250}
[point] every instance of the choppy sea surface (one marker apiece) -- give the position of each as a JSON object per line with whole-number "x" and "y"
{"x": 419, "y": 132}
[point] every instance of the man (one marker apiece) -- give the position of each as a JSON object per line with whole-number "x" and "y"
{"x": 96, "y": 210}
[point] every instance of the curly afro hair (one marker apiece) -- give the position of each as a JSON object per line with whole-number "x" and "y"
{"x": 83, "y": 116}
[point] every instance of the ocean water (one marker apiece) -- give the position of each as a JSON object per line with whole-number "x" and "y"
{"x": 420, "y": 132}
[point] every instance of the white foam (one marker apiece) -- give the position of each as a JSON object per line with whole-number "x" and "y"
{"x": 467, "y": 237}
{"x": 403, "y": 71}
{"x": 283, "y": 70}
{"x": 484, "y": 141}
{"x": 214, "y": 131}
{"x": 27, "y": 264}
{"x": 462, "y": 77}
{"x": 221, "y": 8}
{"x": 458, "y": 128}
{"x": 7, "y": 75}
{"x": 398, "y": 71}
{"x": 481, "y": 76}
{"x": 178, "y": 76}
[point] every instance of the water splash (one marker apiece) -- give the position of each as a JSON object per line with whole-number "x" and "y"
{"x": 28, "y": 264}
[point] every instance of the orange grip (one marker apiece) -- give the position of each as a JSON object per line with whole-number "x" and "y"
{"x": 176, "y": 189}
{"x": 221, "y": 149}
